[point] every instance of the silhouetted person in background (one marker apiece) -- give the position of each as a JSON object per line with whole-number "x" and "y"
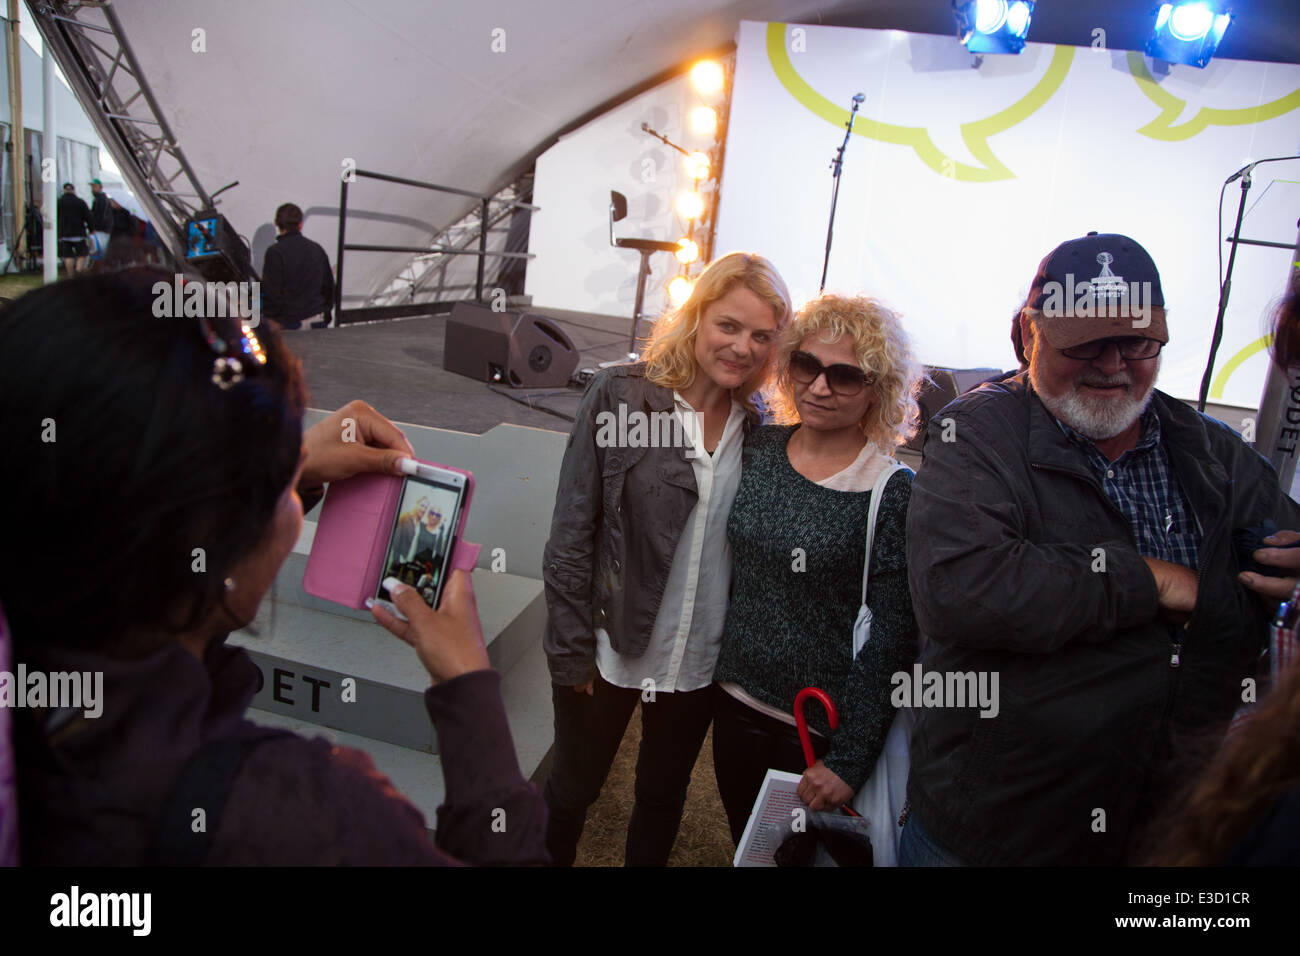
{"x": 123, "y": 221}
{"x": 297, "y": 285}
{"x": 101, "y": 217}
{"x": 74, "y": 226}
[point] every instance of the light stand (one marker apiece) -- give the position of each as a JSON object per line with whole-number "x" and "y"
{"x": 1244, "y": 174}
{"x": 837, "y": 166}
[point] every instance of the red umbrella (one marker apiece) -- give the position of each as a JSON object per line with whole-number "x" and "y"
{"x": 801, "y": 721}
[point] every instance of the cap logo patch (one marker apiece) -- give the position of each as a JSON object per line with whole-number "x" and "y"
{"x": 1104, "y": 296}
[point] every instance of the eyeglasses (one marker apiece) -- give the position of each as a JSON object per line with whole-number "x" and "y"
{"x": 806, "y": 368}
{"x": 1131, "y": 348}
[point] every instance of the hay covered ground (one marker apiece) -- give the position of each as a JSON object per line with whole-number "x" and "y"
{"x": 703, "y": 839}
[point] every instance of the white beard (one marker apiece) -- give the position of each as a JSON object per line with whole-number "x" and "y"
{"x": 1101, "y": 418}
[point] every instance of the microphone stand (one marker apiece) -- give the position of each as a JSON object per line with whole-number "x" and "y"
{"x": 1244, "y": 174}
{"x": 837, "y": 165}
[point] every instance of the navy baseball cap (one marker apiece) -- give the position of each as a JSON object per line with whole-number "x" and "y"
{"x": 1101, "y": 286}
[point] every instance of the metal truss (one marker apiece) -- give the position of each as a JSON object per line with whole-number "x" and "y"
{"x": 89, "y": 44}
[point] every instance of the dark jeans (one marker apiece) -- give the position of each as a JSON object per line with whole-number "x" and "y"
{"x": 917, "y": 848}
{"x": 588, "y": 731}
{"x": 746, "y": 743}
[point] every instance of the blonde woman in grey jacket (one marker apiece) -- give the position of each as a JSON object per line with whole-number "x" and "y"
{"x": 637, "y": 567}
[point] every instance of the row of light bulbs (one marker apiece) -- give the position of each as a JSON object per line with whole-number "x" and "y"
{"x": 708, "y": 79}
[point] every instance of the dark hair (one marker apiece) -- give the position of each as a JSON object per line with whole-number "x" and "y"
{"x": 1016, "y": 342}
{"x": 288, "y": 217}
{"x": 124, "y": 458}
{"x": 1286, "y": 330}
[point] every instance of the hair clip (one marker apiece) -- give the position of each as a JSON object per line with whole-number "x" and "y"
{"x": 226, "y": 371}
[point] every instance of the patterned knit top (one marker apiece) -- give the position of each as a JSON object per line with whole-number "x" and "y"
{"x": 797, "y": 551}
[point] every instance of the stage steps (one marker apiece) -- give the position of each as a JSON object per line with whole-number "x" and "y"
{"x": 306, "y": 648}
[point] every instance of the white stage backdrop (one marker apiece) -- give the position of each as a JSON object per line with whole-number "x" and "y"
{"x": 958, "y": 181}
{"x": 576, "y": 267}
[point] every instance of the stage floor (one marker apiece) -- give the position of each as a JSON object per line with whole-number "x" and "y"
{"x": 396, "y": 366}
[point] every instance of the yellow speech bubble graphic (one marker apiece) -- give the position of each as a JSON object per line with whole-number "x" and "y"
{"x": 975, "y": 134}
{"x": 1230, "y": 366}
{"x": 1171, "y": 107}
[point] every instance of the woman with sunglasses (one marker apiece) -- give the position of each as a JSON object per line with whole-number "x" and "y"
{"x": 846, "y": 393}
{"x": 187, "y": 434}
{"x": 637, "y": 564}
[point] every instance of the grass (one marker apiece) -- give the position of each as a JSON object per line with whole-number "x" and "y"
{"x": 15, "y": 284}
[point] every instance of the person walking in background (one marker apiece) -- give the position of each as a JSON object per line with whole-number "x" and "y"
{"x": 74, "y": 227}
{"x": 101, "y": 219}
{"x": 637, "y": 567}
{"x": 297, "y": 284}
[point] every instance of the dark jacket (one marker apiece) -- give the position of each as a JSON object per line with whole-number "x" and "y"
{"x": 74, "y": 216}
{"x": 123, "y": 221}
{"x": 1006, "y": 526}
{"x": 619, "y": 512}
{"x": 90, "y": 789}
{"x": 296, "y": 280}
{"x": 101, "y": 213}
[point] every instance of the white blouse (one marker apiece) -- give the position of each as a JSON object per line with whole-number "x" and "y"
{"x": 687, "y": 632}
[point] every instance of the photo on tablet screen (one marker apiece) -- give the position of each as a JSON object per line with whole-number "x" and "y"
{"x": 421, "y": 538}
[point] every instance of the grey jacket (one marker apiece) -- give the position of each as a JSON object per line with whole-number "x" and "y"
{"x": 619, "y": 512}
{"x": 1005, "y": 526}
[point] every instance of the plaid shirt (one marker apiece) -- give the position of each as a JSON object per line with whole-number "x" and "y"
{"x": 1142, "y": 485}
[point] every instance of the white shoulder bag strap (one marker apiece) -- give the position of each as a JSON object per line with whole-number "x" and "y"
{"x": 862, "y": 629}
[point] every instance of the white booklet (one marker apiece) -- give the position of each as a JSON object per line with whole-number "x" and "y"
{"x": 776, "y": 800}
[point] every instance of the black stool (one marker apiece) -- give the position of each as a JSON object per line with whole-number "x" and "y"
{"x": 647, "y": 247}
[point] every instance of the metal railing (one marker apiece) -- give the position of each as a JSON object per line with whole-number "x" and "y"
{"x": 485, "y": 221}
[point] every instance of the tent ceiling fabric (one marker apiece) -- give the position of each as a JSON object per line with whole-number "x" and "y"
{"x": 285, "y": 91}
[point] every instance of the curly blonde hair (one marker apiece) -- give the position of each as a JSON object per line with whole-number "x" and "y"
{"x": 670, "y": 352}
{"x": 883, "y": 350}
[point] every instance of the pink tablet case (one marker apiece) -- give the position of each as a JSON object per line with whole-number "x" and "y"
{"x": 352, "y": 536}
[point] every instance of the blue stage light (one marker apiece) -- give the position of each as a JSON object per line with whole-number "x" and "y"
{"x": 1188, "y": 32}
{"x": 990, "y": 15}
{"x": 993, "y": 26}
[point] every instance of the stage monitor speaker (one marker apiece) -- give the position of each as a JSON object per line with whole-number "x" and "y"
{"x": 942, "y": 386}
{"x": 519, "y": 349}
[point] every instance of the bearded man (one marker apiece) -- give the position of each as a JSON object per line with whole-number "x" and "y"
{"x": 1071, "y": 530}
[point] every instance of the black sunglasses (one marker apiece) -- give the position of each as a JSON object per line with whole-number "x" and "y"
{"x": 1131, "y": 348}
{"x": 806, "y": 368}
